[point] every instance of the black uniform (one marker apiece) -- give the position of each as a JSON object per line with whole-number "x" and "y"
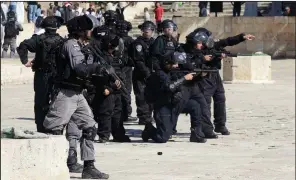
{"x": 140, "y": 56}
{"x": 46, "y": 46}
{"x": 165, "y": 107}
{"x": 196, "y": 59}
{"x": 212, "y": 86}
{"x": 123, "y": 27}
{"x": 108, "y": 109}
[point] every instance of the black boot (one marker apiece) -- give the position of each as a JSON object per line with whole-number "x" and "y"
{"x": 148, "y": 132}
{"x": 222, "y": 129}
{"x": 145, "y": 133}
{"x": 91, "y": 172}
{"x": 197, "y": 135}
{"x": 73, "y": 166}
{"x": 210, "y": 135}
{"x": 123, "y": 138}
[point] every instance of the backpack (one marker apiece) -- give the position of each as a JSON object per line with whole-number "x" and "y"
{"x": 49, "y": 47}
{"x": 39, "y": 21}
{"x": 10, "y": 29}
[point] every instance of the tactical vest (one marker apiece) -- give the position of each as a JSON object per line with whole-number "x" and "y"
{"x": 48, "y": 52}
{"x": 169, "y": 45}
{"x": 145, "y": 45}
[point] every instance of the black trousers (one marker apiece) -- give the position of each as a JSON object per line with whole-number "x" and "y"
{"x": 212, "y": 87}
{"x": 165, "y": 117}
{"x": 42, "y": 89}
{"x": 128, "y": 71}
{"x": 144, "y": 110}
{"x": 107, "y": 113}
{"x": 195, "y": 104}
{"x": 236, "y": 11}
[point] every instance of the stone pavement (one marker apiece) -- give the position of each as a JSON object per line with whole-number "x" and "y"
{"x": 261, "y": 146}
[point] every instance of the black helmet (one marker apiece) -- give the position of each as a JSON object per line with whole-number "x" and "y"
{"x": 200, "y": 36}
{"x": 110, "y": 16}
{"x": 147, "y": 25}
{"x": 79, "y": 23}
{"x": 52, "y": 22}
{"x": 168, "y": 24}
{"x": 209, "y": 33}
{"x": 123, "y": 26}
{"x": 179, "y": 57}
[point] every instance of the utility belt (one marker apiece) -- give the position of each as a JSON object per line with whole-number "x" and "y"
{"x": 70, "y": 86}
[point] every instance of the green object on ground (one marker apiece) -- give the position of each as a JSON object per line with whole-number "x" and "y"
{"x": 13, "y": 133}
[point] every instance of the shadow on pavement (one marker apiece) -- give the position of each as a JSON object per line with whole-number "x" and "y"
{"x": 24, "y": 118}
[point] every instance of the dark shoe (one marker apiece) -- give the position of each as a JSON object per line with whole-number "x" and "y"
{"x": 91, "y": 172}
{"x": 131, "y": 119}
{"x": 211, "y": 135}
{"x": 73, "y": 166}
{"x": 124, "y": 138}
{"x": 197, "y": 136}
{"x": 145, "y": 134}
{"x": 222, "y": 129}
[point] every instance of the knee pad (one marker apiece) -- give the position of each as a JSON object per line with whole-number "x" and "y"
{"x": 89, "y": 133}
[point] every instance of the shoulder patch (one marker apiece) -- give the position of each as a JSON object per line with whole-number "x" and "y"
{"x": 139, "y": 48}
{"x": 216, "y": 40}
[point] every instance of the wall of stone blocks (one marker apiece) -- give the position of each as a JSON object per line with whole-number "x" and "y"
{"x": 275, "y": 36}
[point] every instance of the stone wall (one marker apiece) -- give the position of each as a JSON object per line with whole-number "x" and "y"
{"x": 275, "y": 36}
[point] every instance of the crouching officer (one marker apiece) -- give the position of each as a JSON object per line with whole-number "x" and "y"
{"x": 123, "y": 27}
{"x": 46, "y": 46}
{"x": 164, "y": 44}
{"x": 195, "y": 42}
{"x": 166, "y": 97}
{"x": 69, "y": 103}
{"x": 212, "y": 86}
{"x": 140, "y": 56}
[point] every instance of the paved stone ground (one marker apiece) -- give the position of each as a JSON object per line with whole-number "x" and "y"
{"x": 262, "y": 144}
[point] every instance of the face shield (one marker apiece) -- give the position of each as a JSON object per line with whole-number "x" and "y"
{"x": 169, "y": 28}
{"x": 207, "y": 41}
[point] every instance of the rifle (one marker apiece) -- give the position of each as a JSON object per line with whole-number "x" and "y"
{"x": 219, "y": 52}
{"x": 195, "y": 70}
{"x": 108, "y": 70}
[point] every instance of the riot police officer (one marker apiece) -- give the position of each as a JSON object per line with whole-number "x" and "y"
{"x": 212, "y": 86}
{"x": 106, "y": 104}
{"x": 111, "y": 18}
{"x": 166, "y": 96}
{"x": 140, "y": 56}
{"x": 164, "y": 44}
{"x": 69, "y": 103}
{"x": 73, "y": 133}
{"x": 195, "y": 59}
{"x": 46, "y": 47}
{"x": 123, "y": 27}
